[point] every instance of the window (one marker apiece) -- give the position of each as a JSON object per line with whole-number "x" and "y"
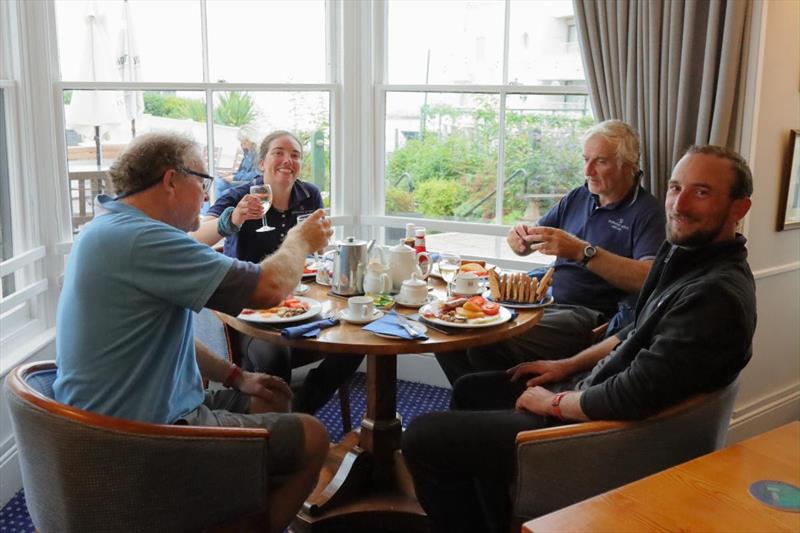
{"x": 234, "y": 64}
{"x": 482, "y": 122}
{"x": 6, "y": 242}
{"x": 24, "y": 304}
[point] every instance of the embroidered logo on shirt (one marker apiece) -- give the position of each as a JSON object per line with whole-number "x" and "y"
{"x": 619, "y": 224}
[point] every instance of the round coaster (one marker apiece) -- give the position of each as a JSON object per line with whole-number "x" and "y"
{"x": 777, "y": 494}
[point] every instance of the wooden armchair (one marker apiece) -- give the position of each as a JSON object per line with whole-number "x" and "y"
{"x": 87, "y": 472}
{"x": 562, "y": 465}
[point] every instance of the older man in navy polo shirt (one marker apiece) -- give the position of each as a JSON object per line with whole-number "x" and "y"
{"x": 604, "y": 235}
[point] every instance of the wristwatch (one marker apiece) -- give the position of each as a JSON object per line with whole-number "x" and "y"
{"x": 588, "y": 253}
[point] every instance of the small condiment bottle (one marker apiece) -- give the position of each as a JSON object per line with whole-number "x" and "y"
{"x": 409, "y": 240}
{"x": 419, "y": 240}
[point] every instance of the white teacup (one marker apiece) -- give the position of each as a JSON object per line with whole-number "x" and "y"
{"x": 413, "y": 291}
{"x": 360, "y": 307}
{"x": 466, "y": 283}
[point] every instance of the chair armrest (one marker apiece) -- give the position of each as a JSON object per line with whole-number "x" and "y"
{"x": 559, "y": 466}
{"x": 571, "y": 430}
{"x": 82, "y": 471}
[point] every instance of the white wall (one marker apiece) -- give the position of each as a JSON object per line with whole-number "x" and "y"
{"x": 770, "y": 385}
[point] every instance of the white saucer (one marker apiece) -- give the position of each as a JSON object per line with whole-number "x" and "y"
{"x": 399, "y": 301}
{"x": 376, "y": 314}
{"x": 478, "y": 290}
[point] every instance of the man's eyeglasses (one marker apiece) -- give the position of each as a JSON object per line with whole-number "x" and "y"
{"x": 207, "y": 180}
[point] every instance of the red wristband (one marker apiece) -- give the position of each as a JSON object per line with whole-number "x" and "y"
{"x": 556, "y": 404}
{"x": 232, "y": 376}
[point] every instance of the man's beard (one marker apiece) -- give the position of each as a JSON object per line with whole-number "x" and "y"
{"x": 701, "y": 237}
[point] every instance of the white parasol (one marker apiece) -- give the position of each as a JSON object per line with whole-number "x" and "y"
{"x": 129, "y": 65}
{"x": 96, "y": 108}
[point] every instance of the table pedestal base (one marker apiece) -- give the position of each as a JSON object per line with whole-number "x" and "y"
{"x": 349, "y": 497}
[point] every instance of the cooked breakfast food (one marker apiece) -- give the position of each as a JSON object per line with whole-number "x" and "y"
{"x": 288, "y": 308}
{"x": 478, "y": 267}
{"x": 475, "y": 310}
{"x": 519, "y": 287}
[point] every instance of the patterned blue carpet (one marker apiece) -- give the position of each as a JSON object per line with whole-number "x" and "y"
{"x": 412, "y": 399}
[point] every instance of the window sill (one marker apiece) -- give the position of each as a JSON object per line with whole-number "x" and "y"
{"x": 18, "y": 354}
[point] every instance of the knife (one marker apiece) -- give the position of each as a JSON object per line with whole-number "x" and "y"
{"x": 403, "y": 321}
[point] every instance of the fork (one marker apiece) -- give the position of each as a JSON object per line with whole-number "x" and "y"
{"x": 416, "y": 318}
{"x": 403, "y": 321}
{"x": 334, "y": 315}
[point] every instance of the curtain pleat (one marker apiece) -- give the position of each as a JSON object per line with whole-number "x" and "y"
{"x": 673, "y": 69}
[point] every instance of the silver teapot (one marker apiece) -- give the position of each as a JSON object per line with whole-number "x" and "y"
{"x": 349, "y": 265}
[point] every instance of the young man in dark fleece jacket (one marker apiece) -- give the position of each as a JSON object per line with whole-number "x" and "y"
{"x": 694, "y": 324}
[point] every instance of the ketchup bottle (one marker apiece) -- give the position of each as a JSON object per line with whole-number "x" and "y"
{"x": 419, "y": 240}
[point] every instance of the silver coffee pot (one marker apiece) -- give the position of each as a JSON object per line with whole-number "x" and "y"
{"x": 349, "y": 265}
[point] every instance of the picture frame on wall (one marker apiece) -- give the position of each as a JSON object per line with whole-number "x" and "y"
{"x": 789, "y": 208}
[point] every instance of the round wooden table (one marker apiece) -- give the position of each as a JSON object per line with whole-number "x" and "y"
{"x": 364, "y": 478}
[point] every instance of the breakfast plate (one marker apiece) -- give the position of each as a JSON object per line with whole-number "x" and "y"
{"x": 258, "y": 316}
{"x": 544, "y": 302}
{"x": 504, "y": 315}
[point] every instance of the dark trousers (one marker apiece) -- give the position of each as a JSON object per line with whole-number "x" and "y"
{"x": 319, "y": 384}
{"x": 563, "y": 331}
{"x": 463, "y": 461}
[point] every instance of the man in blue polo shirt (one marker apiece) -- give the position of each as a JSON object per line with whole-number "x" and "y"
{"x": 124, "y": 329}
{"x": 604, "y": 235}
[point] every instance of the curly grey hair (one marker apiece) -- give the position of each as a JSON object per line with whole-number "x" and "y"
{"x": 148, "y": 157}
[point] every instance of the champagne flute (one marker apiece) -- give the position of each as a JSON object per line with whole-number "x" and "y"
{"x": 448, "y": 269}
{"x": 263, "y": 193}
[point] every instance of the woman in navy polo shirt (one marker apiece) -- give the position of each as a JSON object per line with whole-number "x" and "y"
{"x": 236, "y": 216}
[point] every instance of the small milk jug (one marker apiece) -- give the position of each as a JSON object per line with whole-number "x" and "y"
{"x": 377, "y": 279}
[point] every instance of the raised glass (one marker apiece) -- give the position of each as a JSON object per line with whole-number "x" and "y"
{"x": 263, "y": 193}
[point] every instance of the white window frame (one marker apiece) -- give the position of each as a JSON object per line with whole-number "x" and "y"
{"x": 27, "y": 315}
{"x": 356, "y": 69}
{"x": 373, "y": 205}
{"x": 333, "y": 8}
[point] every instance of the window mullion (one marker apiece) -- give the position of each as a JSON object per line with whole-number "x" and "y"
{"x": 501, "y": 159}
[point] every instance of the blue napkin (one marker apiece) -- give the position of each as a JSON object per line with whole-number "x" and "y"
{"x": 310, "y": 330}
{"x": 387, "y": 325}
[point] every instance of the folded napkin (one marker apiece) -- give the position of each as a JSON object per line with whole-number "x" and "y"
{"x": 388, "y": 325}
{"x": 310, "y": 330}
